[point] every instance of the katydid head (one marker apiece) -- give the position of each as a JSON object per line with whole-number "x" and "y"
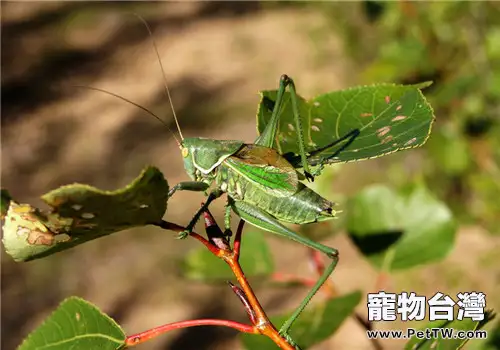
{"x": 201, "y": 156}
{"x": 187, "y": 151}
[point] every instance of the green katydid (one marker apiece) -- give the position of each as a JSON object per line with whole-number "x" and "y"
{"x": 263, "y": 180}
{"x": 262, "y": 186}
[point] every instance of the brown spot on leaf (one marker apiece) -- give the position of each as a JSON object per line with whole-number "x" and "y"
{"x": 29, "y": 218}
{"x": 21, "y": 230}
{"x": 37, "y": 237}
{"x": 409, "y": 142}
{"x": 388, "y": 99}
{"x": 398, "y": 117}
{"x": 366, "y": 114}
{"x": 383, "y": 131}
{"x": 388, "y": 138}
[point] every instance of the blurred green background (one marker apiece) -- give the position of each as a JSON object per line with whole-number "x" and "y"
{"x": 217, "y": 56}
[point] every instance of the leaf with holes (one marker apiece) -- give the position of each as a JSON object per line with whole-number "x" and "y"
{"x": 255, "y": 258}
{"x": 399, "y": 230}
{"x": 80, "y": 213}
{"x": 389, "y": 118}
{"x": 76, "y": 324}
{"x": 444, "y": 339}
{"x": 314, "y": 325}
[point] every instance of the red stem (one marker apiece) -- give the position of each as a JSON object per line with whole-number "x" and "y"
{"x": 177, "y": 228}
{"x": 154, "y": 332}
{"x": 237, "y": 240}
{"x": 262, "y": 324}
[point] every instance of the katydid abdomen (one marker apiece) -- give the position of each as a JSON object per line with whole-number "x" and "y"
{"x": 305, "y": 206}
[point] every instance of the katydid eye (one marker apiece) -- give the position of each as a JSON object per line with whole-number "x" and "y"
{"x": 185, "y": 152}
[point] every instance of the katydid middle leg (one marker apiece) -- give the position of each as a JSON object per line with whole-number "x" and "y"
{"x": 265, "y": 221}
{"x": 189, "y": 228}
{"x": 196, "y": 186}
{"x": 227, "y": 219}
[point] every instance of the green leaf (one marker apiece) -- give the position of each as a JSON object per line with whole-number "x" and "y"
{"x": 390, "y": 118}
{"x": 400, "y": 230}
{"x": 493, "y": 341}
{"x": 450, "y": 151}
{"x": 255, "y": 259}
{"x": 313, "y": 326}
{"x": 78, "y": 325}
{"x": 445, "y": 344}
{"x": 80, "y": 213}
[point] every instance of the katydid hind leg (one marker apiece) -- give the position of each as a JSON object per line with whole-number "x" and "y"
{"x": 266, "y": 138}
{"x": 268, "y": 135}
{"x": 263, "y": 220}
{"x": 300, "y": 134}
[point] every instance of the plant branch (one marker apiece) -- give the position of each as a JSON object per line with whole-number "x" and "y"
{"x": 177, "y": 228}
{"x": 237, "y": 240}
{"x": 261, "y": 323}
{"x": 142, "y": 337}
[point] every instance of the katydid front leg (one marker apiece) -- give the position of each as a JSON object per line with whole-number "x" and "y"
{"x": 195, "y": 186}
{"x": 268, "y": 135}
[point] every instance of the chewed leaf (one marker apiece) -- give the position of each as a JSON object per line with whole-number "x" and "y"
{"x": 389, "y": 117}
{"x": 80, "y": 213}
{"x": 78, "y": 325}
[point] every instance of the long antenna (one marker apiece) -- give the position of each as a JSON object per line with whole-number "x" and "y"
{"x": 132, "y": 103}
{"x": 163, "y": 73}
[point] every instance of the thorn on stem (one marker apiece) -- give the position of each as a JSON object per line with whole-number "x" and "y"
{"x": 243, "y": 298}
